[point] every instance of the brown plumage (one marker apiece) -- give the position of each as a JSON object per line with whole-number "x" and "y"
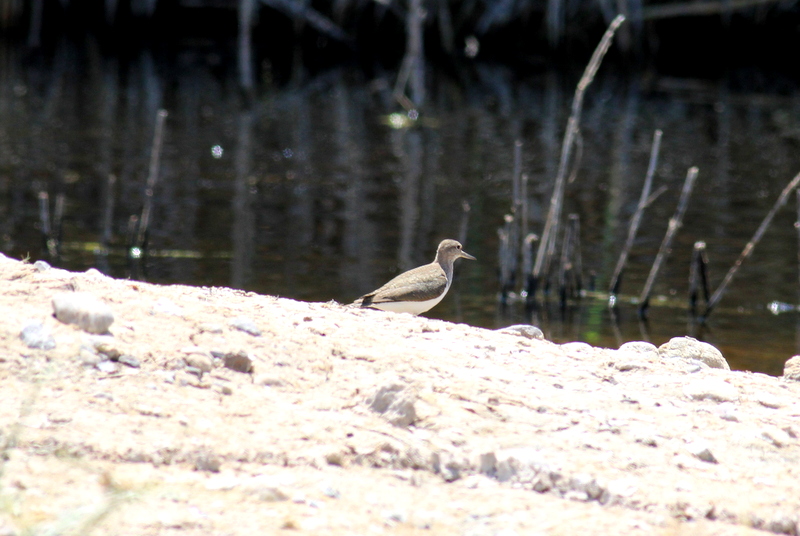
{"x": 418, "y": 290}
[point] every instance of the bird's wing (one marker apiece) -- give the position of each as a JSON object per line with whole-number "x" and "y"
{"x": 414, "y": 285}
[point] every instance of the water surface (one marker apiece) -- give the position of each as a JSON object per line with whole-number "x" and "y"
{"x": 310, "y": 191}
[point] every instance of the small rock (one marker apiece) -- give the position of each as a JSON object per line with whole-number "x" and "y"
{"x": 700, "y": 450}
{"x": 640, "y": 347}
{"x": 129, "y": 361}
{"x": 105, "y": 347}
{"x": 210, "y": 328}
{"x": 242, "y": 323}
{"x": 791, "y": 369}
{"x": 523, "y": 330}
{"x": 36, "y": 335}
{"x": 207, "y": 461}
{"x": 778, "y": 438}
{"x": 768, "y": 401}
{"x": 331, "y": 492}
{"x": 41, "y": 266}
{"x": 711, "y": 389}
{"x": 487, "y": 464}
{"x": 577, "y": 347}
{"x": 689, "y": 348}
{"x": 194, "y": 371}
{"x": 239, "y": 361}
{"x": 201, "y": 362}
{"x": 445, "y": 464}
{"x": 88, "y": 358}
{"x": 630, "y": 364}
{"x": 727, "y": 412}
{"x": 224, "y": 389}
{"x": 269, "y": 381}
{"x": 109, "y": 367}
{"x": 269, "y": 494}
{"x": 396, "y": 403}
{"x": 781, "y": 524}
{"x": 83, "y": 310}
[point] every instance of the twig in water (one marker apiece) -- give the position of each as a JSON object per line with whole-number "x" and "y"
{"x": 748, "y": 249}
{"x": 698, "y": 275}
{"x": 547, "y": 244}
{"x": 152, "y": 178}
{"x": 528, "y": 244}
{"x": 672, "y": 228}
{"x": 616, "y": 280}
{"x": 44, "y": 216}
{"x": 507, "y": 256}
{"x": 569, "y": 277}
{"x": 462, "y": 229}
{"x": 108, "y": 212}
{"x": 516, "y": 179}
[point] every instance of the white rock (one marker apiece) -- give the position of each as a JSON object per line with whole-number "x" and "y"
{"x": 689, "y": 348}
{"x": 84, "y": 310}
{"x": 36, "y": 335}
{"x": 646, "y": 349}
{"x": 791, "y": 369}
{"x": 395, "y": 402}
{"x": 523, "y": 330}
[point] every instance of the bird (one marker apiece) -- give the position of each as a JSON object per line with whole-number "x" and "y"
{"x": 417, "y": 291}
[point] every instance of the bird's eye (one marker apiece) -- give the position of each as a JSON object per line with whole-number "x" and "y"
{"x": 459, "y": 246}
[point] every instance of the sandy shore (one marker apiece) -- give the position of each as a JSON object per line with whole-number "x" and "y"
{"x": 216, "y": 411}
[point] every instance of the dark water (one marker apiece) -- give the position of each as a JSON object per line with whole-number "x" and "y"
{"x": 310, "y": 192}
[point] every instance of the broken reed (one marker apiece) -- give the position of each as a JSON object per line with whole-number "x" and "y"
{"x": 152, "y": 178}
{"x": 672, "y": 228}
{"x": 549, "y": 234}
{"x": 748, "y": 249}
{"x": 616, "y": 278}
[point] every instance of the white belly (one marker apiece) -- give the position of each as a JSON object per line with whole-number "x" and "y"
{"x": 414, "y": 308}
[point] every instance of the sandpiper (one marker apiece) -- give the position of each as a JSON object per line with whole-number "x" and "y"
{"x": 418, "y": 290}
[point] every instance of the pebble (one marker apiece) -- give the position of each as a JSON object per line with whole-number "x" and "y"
{"x": 207, "y": 461}
{"x": 778, "y": 438}
{"x": 640, "y": 347}
{"x": 84, "y": 310}
{"x": 523, "y": 330}
{"x": 36, "y": 335}
{"x": 396, "y": 403}
{"x": 201, "y": 362}
{"x": 109, "y": 367}
{"x": 88, "y": 358}
{"x": 700, "y": 450}
{"x": 41, "y": 266}
{"x": 769, "y": 401}
{"x": 239, "y": 361}
{"x": 577, "y": 347}
{"x": 269, "y": 494}
{"x": 210, "y": 328}
{"x": 129, "y": 361}
{"x": 690, "y": 348}
{"x": 331, "y": 492}
{"x": 791, "y": 369}
{"x": 711, "y": 389}
{"x": 242, "y": 323}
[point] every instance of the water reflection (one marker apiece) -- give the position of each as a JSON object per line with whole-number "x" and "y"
{"x": 316, "y": 196}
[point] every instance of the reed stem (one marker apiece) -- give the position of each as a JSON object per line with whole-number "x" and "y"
{"x": 748, "y": 249}
{"x": 674, "y": 224}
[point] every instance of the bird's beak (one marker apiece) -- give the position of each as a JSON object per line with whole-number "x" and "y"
{"x": 466, "y": 255}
